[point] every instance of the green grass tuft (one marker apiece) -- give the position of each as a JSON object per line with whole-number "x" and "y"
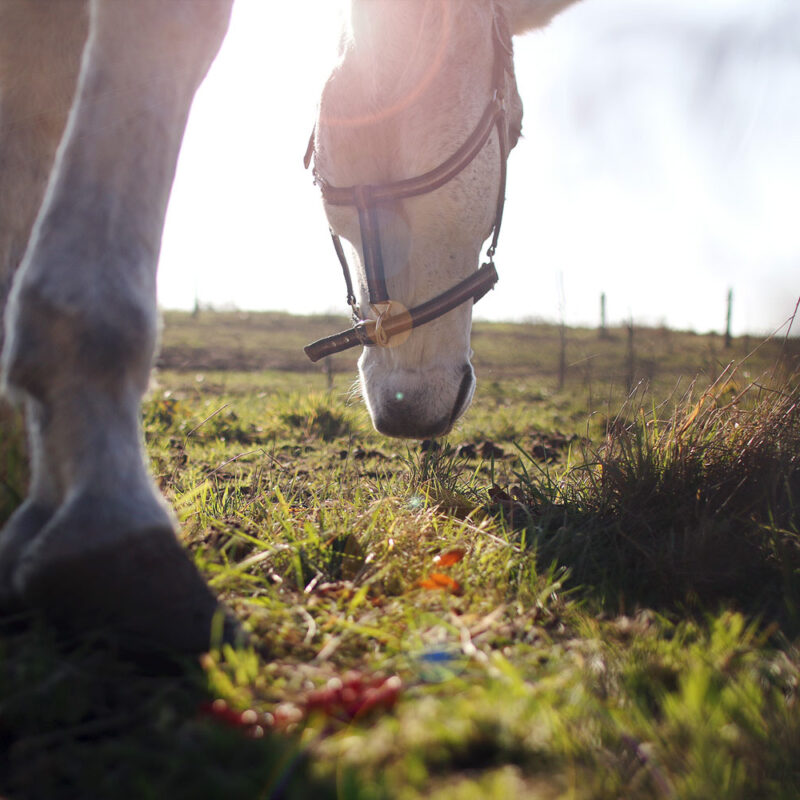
{"x": 317, "y": 416}
{"x": 693, "y": 510}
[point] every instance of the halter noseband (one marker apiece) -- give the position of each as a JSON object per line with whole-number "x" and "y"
{"x": 366, "y": 198}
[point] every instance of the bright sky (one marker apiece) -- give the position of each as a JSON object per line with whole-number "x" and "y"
{"x": 660, "y": 165}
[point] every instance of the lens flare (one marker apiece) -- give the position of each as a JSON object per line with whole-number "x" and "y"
{"x": 411, "y": 97}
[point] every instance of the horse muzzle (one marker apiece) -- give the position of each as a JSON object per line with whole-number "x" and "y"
{"x": 416, "y": 404}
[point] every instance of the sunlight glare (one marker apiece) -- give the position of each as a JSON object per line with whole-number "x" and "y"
{"x": 622, "y": 173}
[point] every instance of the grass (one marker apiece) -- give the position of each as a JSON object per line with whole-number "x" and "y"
{"x": 697, "y": 509}
{"x": 584, "y": 593}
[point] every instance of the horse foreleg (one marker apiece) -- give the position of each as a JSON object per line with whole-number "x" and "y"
{"x": 40, "y": 55}
{"x": 82, "y": 327}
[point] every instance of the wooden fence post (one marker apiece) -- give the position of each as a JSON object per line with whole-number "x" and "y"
{"x": 728, "y": 337}
{"x": 603, "y": 328}
{"x": 630, "y": 359}
{"x": 562, "y": 332}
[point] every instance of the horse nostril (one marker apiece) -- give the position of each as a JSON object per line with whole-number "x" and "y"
{"x": 408, "y": 423}
{"x": 464, "y": 395}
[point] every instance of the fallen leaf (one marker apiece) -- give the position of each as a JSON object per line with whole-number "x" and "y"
{"x": 438, "y": 580}
{"x": 450, "y": 557}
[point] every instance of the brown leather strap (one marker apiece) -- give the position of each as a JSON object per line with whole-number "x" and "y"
{"x": 474, "y": 287}
{"x": 354, "y": 337}
{"x": 364, "y": 201}
{"x": 351, "y": 296}
{"x": 428, "y": 181}
{"x": 502, "y": 137}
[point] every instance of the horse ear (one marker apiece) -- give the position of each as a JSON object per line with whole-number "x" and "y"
{"x": 524, "y": 15}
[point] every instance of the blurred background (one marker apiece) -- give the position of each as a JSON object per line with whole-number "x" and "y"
{"x": 660, "y": 165}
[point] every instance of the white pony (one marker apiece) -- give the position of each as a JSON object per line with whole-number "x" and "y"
{"x": 94, "y": 97}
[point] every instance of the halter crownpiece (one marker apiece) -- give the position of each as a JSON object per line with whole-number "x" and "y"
{"x": 365, "y": 198}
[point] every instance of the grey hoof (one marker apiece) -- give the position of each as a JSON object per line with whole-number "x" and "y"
{"x": 144, "y": 592}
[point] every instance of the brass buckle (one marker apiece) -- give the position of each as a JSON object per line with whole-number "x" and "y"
{"x": 383, "y": 313}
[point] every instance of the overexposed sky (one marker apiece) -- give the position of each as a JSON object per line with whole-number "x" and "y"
{"x": 660, "y": 165}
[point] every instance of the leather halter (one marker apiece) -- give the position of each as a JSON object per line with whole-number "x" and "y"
{"x": 366, "y": 198}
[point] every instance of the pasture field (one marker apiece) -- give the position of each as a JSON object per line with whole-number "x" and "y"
{"x": 591, "y": 589}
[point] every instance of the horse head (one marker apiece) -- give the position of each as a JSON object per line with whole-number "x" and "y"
{"x": 415, "y": 124}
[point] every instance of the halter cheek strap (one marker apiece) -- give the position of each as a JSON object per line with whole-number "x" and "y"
{"x": 365, "y": 198}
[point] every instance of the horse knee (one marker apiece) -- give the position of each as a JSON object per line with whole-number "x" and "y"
{"x": 53, "y": 341}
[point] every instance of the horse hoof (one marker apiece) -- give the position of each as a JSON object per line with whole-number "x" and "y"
{"x": 143, "y": 591}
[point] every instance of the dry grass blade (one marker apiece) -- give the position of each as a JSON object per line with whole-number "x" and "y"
{"x": 701, "y": 507}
